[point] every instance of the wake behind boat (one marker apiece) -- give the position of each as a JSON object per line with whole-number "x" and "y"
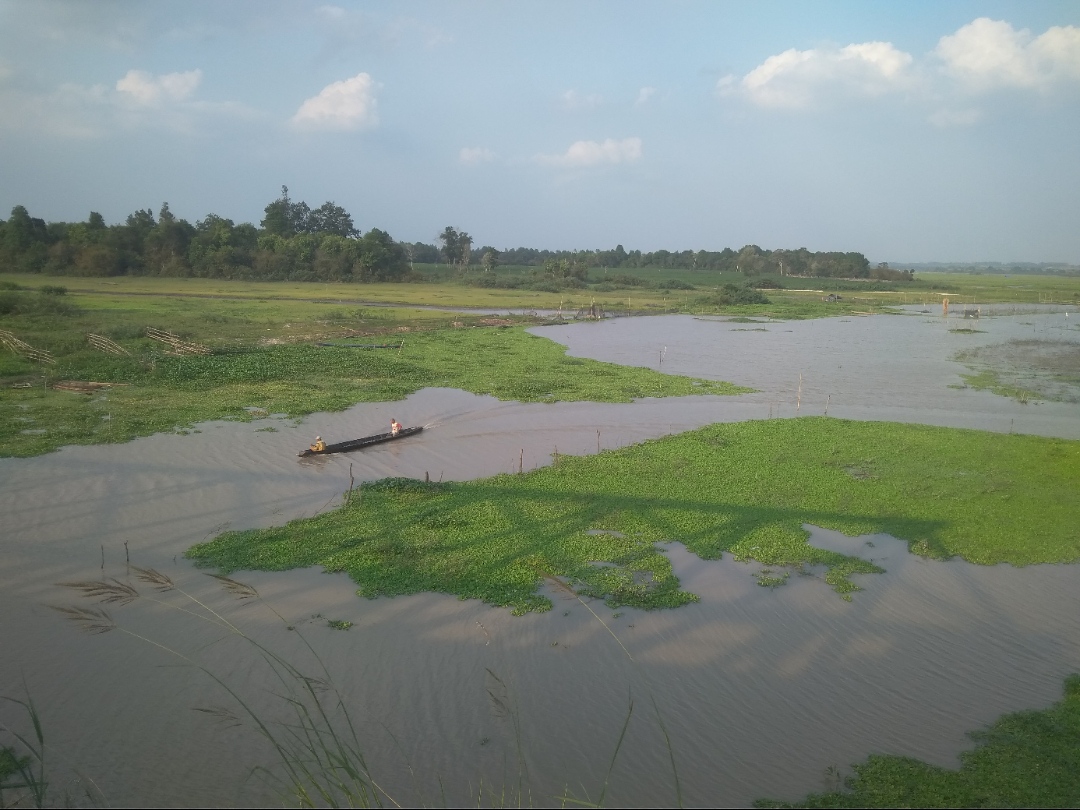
{"x": 356, "y": 444}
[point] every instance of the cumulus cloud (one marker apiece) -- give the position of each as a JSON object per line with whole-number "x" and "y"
{"x": 136, "y": 100}
{"x": 573, "y": 100}
{"x": 471, "y": 155}
{"x": 644, "y": 94}
{"x": 798, "y": 79}
{"x": 593, "y": 153}
{"x": 348, "y": 105}
{"x": 146, "y": 89}
{"x": 987, "y": 54}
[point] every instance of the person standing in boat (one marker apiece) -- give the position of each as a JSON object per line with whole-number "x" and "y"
{"x": 395, "y": 427}
{"x": 319, "y": 445}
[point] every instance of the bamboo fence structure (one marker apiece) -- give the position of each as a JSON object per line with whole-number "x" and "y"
{"x": 24, "y": 349}
{"x": 178, "y": 346}
{"x": 102, "y": 343}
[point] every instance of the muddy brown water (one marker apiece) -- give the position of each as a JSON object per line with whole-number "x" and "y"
{"x": 761, "y": 690}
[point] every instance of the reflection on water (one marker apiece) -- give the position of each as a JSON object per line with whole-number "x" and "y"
{"x": 761, "y": 689}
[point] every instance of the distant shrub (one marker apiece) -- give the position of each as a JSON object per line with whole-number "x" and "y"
{"x": 676, "y": 284}
{"x": 731, "y": 294}
{"x": 627, "y": 280}
{"x": 14, "y": 302}
{"x": 765, "y": 284}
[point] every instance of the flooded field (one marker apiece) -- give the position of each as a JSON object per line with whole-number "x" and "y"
{"x": 760, "y": 689}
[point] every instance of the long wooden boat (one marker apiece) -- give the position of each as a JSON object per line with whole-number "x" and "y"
{"x": 356, "y": 444}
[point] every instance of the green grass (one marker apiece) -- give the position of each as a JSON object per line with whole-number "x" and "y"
{"x": 745, "y": 488}
{"x": 164, "y": 393}
{"x": 1026, "y": 759}
{"x": 988, "y": 380}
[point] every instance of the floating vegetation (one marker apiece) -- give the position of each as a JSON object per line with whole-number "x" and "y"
{"x": 1025, "y": 759}
{"x": 745, "y": 488}
{"x": 766, "y": 579}
{"x": 293, "y": 380}
{"x": 1026, "y": 370}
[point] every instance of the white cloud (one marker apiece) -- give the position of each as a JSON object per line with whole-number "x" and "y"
{"x": 146, "y": 89}
{"x": 333, "y": 13}
{"x": 576, "y": 101}
{"x": 471, "y": 155}
{"x": 347, "y": 105}
{"x": 644, "y": 94}
{"x": 799, "y": 79}
{"x": 593, "y": 153}
{"x": 137, "y": 100}
{"x": 987, "y": 54}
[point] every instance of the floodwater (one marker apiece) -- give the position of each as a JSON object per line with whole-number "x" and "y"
{"x": 761, "y": 690}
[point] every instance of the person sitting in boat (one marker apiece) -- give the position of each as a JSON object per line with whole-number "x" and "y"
{"x": 395, "y": 427}
{"x": 319, "y": 445}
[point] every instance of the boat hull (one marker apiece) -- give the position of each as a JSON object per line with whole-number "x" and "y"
{"x": 359, "y": 444}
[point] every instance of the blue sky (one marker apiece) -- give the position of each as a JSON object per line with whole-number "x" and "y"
{"x": 917, "y": 131}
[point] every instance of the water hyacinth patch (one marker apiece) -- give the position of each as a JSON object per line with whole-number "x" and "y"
{"x": 300, "y": 379}
{"x": 747, "y": 489}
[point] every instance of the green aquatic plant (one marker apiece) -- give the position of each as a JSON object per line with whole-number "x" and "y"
{"x": 747, "y": 489}
{"x": 988, "y": 380}
{"x": 175, "y": 392}
{"x": 1025, "y": 759}
{"x": 23, "y": 775}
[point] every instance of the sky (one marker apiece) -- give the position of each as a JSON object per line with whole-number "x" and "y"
{"x": 911, "y": 132}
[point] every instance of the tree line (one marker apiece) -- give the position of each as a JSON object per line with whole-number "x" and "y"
{"x": 751, "y": 260}
{"x": 295, "y": 242}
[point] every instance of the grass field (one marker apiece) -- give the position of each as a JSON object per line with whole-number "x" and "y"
{"x": 745, "y": 489}
{"x": 269, "y": 329}
{"x": 157, "y": 392}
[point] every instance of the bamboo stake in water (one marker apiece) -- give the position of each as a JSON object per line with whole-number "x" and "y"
{"x": 798, "y": 396}
{"x": 827, "y": 401}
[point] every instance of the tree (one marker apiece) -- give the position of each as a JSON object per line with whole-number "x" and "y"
{"x": 381, "y": 258}
{"x": 490, "y": 260}
{"x": 451, "y": 249}
{"x": 331, "y": 218}
{"x": 167, "y": 244}
{"x": 464, "y": 248}
{"x": 280, "y": 219}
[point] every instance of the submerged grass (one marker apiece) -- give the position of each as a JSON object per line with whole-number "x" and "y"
{"x": 165, "y": 393}
{"x": 989, "y": 380}
{"x": 746, "y": 488}
{"x": 1026, "y": 759}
